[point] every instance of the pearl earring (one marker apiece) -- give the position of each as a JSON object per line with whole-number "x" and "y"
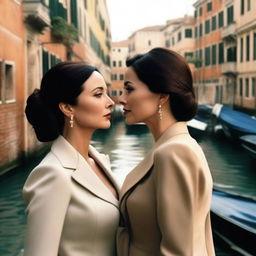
{"x": 71, "y": 121}
{"x": 160, "y": 111}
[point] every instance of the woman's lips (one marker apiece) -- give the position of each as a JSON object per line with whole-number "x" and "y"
{"x": 108, "y": 116}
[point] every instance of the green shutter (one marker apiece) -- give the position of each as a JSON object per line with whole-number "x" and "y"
{"x": 221, "y": 19}
{"x": 221, "y": 53}
{"x": 74, "y": 13}
{"x": 45, "y": 61}
{"x": 214, "y": 49}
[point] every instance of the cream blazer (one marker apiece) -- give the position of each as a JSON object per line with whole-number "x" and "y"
{"x": 165, "y": 200}
{"x": 70, "y": 212}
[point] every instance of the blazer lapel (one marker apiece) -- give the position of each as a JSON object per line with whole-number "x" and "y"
{"x": 144, "y": 166}
{"x": 87, "y": 178}
{"x": 70, "y": 159}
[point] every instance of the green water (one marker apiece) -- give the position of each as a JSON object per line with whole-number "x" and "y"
{"x": 232, "y": 170}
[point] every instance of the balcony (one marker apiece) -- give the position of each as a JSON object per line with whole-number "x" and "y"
{"x": 229, "y": 32}
{"x": 36, "y": 14}
{"x": 229, "y": 68}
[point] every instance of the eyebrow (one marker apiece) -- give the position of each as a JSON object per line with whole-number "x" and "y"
{"x": 126, "y": 83}
{"x": 98, "y": 88}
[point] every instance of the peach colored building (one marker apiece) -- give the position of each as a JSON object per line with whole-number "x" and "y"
{"x": 245, "y": 91}
{"x": 12, "y": 83}
{"x": 28, "y": 49}
{"x": 179, "y": 36}
{"x": 209, "y": 53}
{"x": 119, "y": 54}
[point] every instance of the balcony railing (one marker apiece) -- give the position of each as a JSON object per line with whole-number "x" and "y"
{"x": 229, "y": 68}
{"x": 229, "y": 32}
{"x": 36, "y": 13}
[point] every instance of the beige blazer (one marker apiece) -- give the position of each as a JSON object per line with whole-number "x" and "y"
{"x": 165, "y": 200}
{"x": 70, "y": 212}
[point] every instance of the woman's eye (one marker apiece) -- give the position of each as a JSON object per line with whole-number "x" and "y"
{"x": 128, "y": 89}
{"x": 98, "y": 95}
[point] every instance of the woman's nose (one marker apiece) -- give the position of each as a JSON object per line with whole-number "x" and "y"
{"x": 121, "y": 99}
{"x": 110, "y": 102}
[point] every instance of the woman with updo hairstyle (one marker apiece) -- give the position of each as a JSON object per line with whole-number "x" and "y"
{"x": 71, "y": 196}
{"x": 165, "y": 200}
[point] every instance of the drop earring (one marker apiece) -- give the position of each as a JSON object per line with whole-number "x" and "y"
{"x": 71, "y": 121}
{"x": 160, "y": 111}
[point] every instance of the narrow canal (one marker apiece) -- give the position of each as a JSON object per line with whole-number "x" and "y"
{"x": 232, "y": 170}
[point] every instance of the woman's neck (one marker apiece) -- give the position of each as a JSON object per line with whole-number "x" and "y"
{"x": 79, "y": 139}
{"x": 157, "y": 127}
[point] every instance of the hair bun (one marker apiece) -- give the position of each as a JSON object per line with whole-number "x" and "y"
{"x": 43, "y": 121}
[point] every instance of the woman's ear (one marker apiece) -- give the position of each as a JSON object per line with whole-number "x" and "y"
{"x": 66, "y": 109}
{"x": 164, "y": 98}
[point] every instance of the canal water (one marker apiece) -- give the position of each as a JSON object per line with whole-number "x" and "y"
{"x": 232, "y": 170}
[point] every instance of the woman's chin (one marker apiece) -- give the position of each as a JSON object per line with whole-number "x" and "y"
{"x": 129, "y": 121}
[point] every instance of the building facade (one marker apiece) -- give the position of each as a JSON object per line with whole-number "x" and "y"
{"x": 145, "y": 39}
{"x": 119, "y": 54}
{"x": 43, "y": 33}
{"x": 12, "y": 82}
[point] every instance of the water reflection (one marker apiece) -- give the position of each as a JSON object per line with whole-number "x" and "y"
{"x": 232, "y": 170}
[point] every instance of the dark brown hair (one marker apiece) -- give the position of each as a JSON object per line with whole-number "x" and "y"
{"x": 62, "y": 83}
{"x": 166, "y": 72}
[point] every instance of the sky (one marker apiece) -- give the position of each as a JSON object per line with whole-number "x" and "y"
{"x": 127, "y": 16}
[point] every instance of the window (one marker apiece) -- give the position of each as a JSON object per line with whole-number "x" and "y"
{"x": 114, "y": 93}
{"x": 221, "y": 53}
{"x": 188, "y": 33}
{"x": 214, "y": 25}
{"x": 254, "y": 86}
{"x": 149, "y": 42}
{"x": 241, "y": 50}
{"x": 45, "y": 61}
{"x": 189, "y": 56}
{"x": 200, "y": 59}
{"x": 231, "y": 54}
{"x": 196, "y": 29}
{"x": 8, "y": 87}
{"x": 167, "y": 43}
{"x": 121, "y": 77}
{"x": 248, "y": 5}
{"x": 173, "y": 41}
{"x": 120, "y": 63}
{"x": 209, "y": 6}
{"x": 207, "y": 27}
{"x": 242, "y": 7}
{"x": 230, "y": 15}
{"x": 195, "y": 13}
{"x": 254, "y": 46}
{"x": 114, "y": 63}
{"x": 201, "y": 30}
{"x": 241, "y": 86}
{"x": 221, "y": 19}
{"x": 248, "y": 47}
{"x": 85, "y": 4}
{"x": 207, "y": 53}
{"x": 214, "y": 55}
{"x": 200, "y": 11}
{"x": 179, "y": 36}
{"x": 247, "y": 87}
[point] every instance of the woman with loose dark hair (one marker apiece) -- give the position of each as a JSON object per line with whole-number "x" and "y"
{"x": 71, "y": 196}
{"x": 165, "y": 200}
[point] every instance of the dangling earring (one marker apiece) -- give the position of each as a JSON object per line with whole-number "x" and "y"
{"x": 71, "y": 121}
{"x": 160, "y": 111}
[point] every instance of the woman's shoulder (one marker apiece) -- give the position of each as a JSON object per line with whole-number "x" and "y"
{"x": 179, "y": 142}
{"x": 48, "y": 169}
